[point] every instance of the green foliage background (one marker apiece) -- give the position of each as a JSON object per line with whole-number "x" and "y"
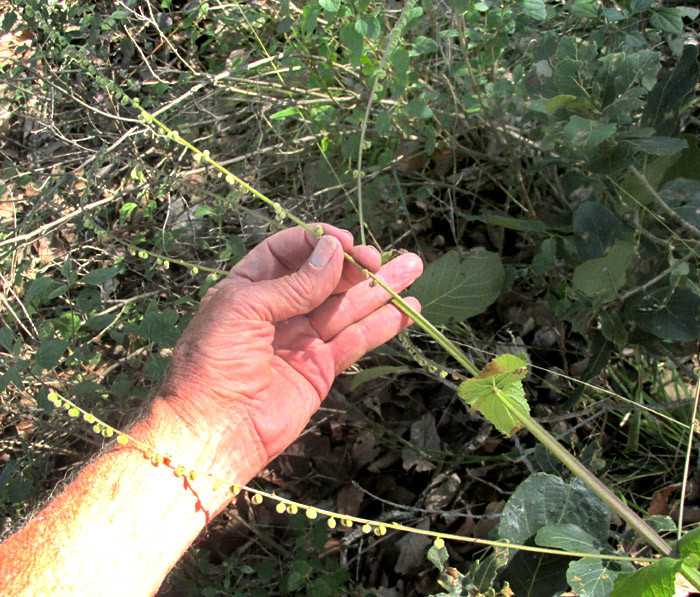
{"x": 541, "y": 156}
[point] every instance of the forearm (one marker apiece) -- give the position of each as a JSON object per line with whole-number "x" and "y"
{"x": 123, "y": 523}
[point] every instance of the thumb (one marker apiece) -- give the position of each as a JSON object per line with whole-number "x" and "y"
{"x": 298, "y": 293}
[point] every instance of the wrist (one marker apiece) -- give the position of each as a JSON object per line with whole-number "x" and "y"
{"x": 226, "y": 448}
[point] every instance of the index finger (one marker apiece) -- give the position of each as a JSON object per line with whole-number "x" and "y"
{"x": 284, "y": 252}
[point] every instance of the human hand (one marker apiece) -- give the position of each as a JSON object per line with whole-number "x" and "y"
{"x": 262, "y": 352}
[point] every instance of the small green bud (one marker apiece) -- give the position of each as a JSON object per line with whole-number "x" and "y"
{"x": 439, "y": 543}
{"x": 257, "y": 498}
{"x": 331, "y": 523}
{"x": 122, "y": 439}
{"x": 230, "y": 179}
{"x": 195, "y": 270}
{"x": 179, "y": 471}
{"x": 366, "y": 528}
{"x": 281, "y": 508}
{"x": 73, "y": 412}
{"x": 311, "y": 514}
{"x": 192, "y": 475}
{"x": 292, "y": 509}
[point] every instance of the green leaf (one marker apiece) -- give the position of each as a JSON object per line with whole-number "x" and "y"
{"x": 596, "y": 229}
{"x": 567, "y": 536}
{"x": 353, "y": 41}
{"x": 690, "y": 543}
{"x": 99, "y": 276}
{"x": 374, "y": 372}
{"x": 400, "y": 62}
{"x": 656, "y": 580}
{"x": 6, "y": 338}
{"x": 282, "y": 114}
{"x": 637, "y": 6}
{"x": 418, "y": 108}
{"x": 50, "y": 352}
{"x": 543, "y": 499}
{"x": 585, "y": 9}
{"x": 497, "y": 392}
{"x": 671, "y": 94}
{"x": 588, "y": 134}
{"x": 425, "y": 45}
{"x": 594, "y": 578}
{"x": 659, "y": 145}
{"x": 368, "y": 26}
{"x": 520, "y": 224}
{"x": 330, "y": 5}
{"x": 683, "y": 195}
{"x": 8, "y": 21}
{"x": 451, "y": 290}
{"x": 602, "y": 278}
{"x": 674, "y": 317}
{"x": 668, "y": 20}
{"x": 535, "y": 9}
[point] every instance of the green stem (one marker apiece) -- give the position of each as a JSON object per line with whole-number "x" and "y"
{"x": 591, "y": 481}
{"x": 692, "y": 575}
{"x": 422, "y": 322}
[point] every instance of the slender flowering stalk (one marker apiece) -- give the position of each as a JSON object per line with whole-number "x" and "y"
{"x": 284, "y": 505}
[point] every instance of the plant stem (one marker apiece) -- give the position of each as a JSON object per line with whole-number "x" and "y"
{"x": 423, "y": 323}
{"x": 691, "y": 574}
{"x": 591, "y": 481}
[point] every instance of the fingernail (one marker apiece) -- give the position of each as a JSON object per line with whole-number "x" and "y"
{"x": 323, "y": 252}
{"x": 347, "y": 233}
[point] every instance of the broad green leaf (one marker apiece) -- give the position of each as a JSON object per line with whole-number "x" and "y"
{"x": 451, "y": 290}
{"x": 330, "y": 5}
{"x": 596, "y": 229}
{"x": 418, "y": 108}
{"x": 585, "y": 9}
{"x": 567, "y": 75}
{"x": 536, "y": 574}
{"x": 656, "y": 580}
{"x": 671, "y": 94}
{"x": 668, "y": 20}
{"x": 400, "y": 62}
{"x": 690, "y": 543}
{"x": 353, "y": 41}
{"x": 602, "y": 278}
{"x": 683, "y": 195}
{"x": 425, "y": 45}
{"x": 567, "y": 536}
{"x": 594, "y": 578}
{"x": 659, "y": 145}
{"x": 374, "y": 372}
{"x": 498, "y": 394}
{"x": 637, "y": 6}
{"x": 98, "y": 323}
{"x": 99, "y": 276}
{"x": 206, "y": 210}
{"x": 568, "y": 102}
{"x": 674, "y": 317}
{"x": 535, "y": 9}
{"x": 368, "y": 26}
{"x": 50, "y": 352}
{"x": 6, "y": 338}
{"x": 588, "y": 134}
{"x": 543, "y": 499}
